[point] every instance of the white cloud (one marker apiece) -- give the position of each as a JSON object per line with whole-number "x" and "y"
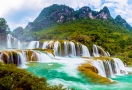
{"x": 120, "y": 7}
{"x": 7, "y": 7}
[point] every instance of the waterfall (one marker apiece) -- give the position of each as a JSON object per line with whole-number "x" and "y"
{"x": 73, "y": 49}
{"x": 85, "y": 51}
{"x": 109, "y": 69}
{"x": 106, "y": 69}
{"x": 9, "y": 36}
{"x": 19, "y": 45}
{"x": 100, "y": 67}
{"x": 13, "y": 42}
{"x": 57, "y": 48}
{"x": 65, "y": 48}
{"x": 119, "y": 67}
{"x": 95, "y": 51}
{"x": 37, "y": 46}
{"x": 45, "y": 44}
{"x": 38, "y": 56}
{"x": 33, "y": 44}
{"x": 50, "y": 44}
{"x": 108, "y": 53}
{"x": 22, "y": 59}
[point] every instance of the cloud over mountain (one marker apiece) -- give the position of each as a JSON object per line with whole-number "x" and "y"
{"x": 20, "y": 12}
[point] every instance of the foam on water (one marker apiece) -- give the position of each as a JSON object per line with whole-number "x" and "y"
{"x": 64, "y": 71}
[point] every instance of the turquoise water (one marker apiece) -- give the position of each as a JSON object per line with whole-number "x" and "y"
{"x": 60, "y": 73}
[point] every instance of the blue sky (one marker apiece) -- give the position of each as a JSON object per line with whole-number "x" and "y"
{"x": 20, "y": 12}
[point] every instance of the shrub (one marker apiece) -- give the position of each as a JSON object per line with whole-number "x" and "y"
{"x": 13, "y": 78}
{"x": 130, "y": 54}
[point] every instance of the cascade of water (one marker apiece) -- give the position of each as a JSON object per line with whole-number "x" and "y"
{"x": 108, "y": 53}
{"x": 95, "y": 51}
{"x": 110, "y": 71}
{"x": 105, "y": 69}
{"x": 19, "y": 45}
{"x": 85, "y": 51}
{"x": 99, "y": 65}
{"x": 22, "y": 59}
{"x": 44, "y": 57}
{"x": 78, "y": 49}
{"x": 38, "y": 56}
{"x": 37, "y": 46}
{"x": 13, "y": 42}
{"x": 45, "y": 44}
{"x": 33, "y": 44}
{"x": 9, "y": 36}
{"x": 119, "y": 67}
{"x": 50, "y": 44}
{"x": 103, "y": 52}
{"x": 56, "y": 48}
{"x": 73, "y": 49}
{"x": 66, "y": 48}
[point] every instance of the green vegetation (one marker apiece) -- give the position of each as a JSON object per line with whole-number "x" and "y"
{"x": 13, "y": 78}
{"x": 4, "y": 29}
{"x": 60, "y": 22}
{"x": 113, "y": 38}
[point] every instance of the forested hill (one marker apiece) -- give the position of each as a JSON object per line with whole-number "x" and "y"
{"x": 84, "y": 25}
{"x": 61, "y": 13}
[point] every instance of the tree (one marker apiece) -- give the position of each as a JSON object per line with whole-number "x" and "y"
{"x": 3, "y": 27}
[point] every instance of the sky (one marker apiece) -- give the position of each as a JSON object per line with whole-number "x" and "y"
{"x": 20, "y": 12}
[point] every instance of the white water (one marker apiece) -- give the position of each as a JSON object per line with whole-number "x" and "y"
{"x": 13, "y": 42}
{"x": 85, "y": 51}
{"x": 120, "y": 69}
{"x": 19, "y": 45}
{"x": 45, "y": 44}
{"x": 57, "y": 51}
{"x": 95, "y": 51}
{"x": 100, "y": 67}
{"x": 73, "y": 50}
{"x": 111, "y": 74}
{"x": 66, "y": 46}
{"x": 9, "y": 36}
{"x": 33, "y": 44}
{"x": 22, "y": 59}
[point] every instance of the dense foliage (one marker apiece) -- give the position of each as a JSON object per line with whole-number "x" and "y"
{"x": 84, "y": 25}
{"x": 4, "y": 29}
{"x": 3, "y": 26}
{"x": 13, "y": 78}
{"x": 113, "y": 37}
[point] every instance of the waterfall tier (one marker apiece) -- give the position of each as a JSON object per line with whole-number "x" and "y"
{"x": 13, "y": 42}
{"x": 67, "y": 48}
{"x": 109, "y": 67}
{"x": 20, "y": 57}
{"x": 61, "y": 48}
{"x": 33, "y": 44}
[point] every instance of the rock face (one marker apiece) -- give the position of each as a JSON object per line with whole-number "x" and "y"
{"x": 122, "y": 22}
{"x": 61, "y": 13}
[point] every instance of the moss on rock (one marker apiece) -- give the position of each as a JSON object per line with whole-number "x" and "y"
{"x": 92, "y": 74}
